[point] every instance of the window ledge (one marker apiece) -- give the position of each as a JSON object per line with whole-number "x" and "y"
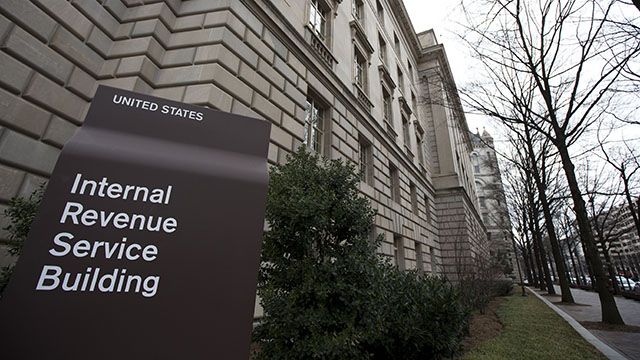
{"x": 363, "y": 98}
{"x": 320, "y": 47}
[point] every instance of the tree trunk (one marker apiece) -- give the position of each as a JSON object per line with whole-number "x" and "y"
{"x": 561, "y": 272}
{"x": 543, "y": 256}
{"x": 610, "y": 313}
{"x": 573, "y": 264}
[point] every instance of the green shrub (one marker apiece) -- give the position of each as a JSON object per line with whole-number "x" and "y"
{"x": 423, "y": 318}
{"x": 325, "y": 291}
{"x": 21, "y": 212}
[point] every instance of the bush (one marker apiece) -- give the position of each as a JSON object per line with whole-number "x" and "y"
{"x": 21, "y": 212}
{"x": 325, "y": 291}
{"x": 423, "y": 318}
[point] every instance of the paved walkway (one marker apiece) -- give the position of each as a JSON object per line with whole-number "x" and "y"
{"x": 588, "y": 309}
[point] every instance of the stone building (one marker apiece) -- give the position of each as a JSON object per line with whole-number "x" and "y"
{"x": 492, "y": 201}
{"x": 349, "y": 78}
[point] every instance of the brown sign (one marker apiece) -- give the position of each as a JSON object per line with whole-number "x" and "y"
{"x": 147, "y": 242}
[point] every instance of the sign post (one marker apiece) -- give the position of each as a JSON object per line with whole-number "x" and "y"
{"x": 147, "y": 241}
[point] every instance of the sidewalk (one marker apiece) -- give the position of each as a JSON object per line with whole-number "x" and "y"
{"x": 587, "y": 308}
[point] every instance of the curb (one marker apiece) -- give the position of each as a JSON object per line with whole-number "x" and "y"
{"x": 605, "y": 349}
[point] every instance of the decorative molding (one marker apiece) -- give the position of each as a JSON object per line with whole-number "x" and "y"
{"x": 320, "y": 48}
{"x": 363, "y": 98}
{"x": 358, "y": 34}
{"x": 405, "y": 106}
{"x": 385, "y": 77}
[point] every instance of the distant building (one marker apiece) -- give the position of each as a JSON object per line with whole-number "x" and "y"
{"x": 492, "y": 201}
{"x": 621, "y": 240}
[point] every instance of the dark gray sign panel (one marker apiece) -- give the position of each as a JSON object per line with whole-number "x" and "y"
{"x": 147, "y": 242}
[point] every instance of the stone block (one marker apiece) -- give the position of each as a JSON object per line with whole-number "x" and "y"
{"x": 282, "y": 101}
{"x": 196, "y": 37}
{"x": 220, "y": 54}
{"x": 178, "y": 57}
{"x": 124, "y": 31}
{"x": 275, "y": 44}
{"x": 190, "y": 22}
{"x": 254, "y": 79}
{"x": 171, "y": 93}
{"x": 225, "y": 18}
{"x": 33, "y": 52}
{"x": 138, "y": 66}
{"x": 10, "y": 184}
{"x": 153, "y": 27}
{"x": 67, "y": 16}
{"x": 235, "y": 44}
{"x": 201, "y": 6}
{"x": 66, "y": 43}
{"x": 297, "y": 65}
{"x": 295, "y": 94}
{"x": 185, "y": 75}
{"x": 30, "y": 184}
{"x": 108, "y": 69}
{"x": 5, "y": 26}
{"x": 259, "y": 46}
{"x": 230, "y": 83}
{"x": 266, "y": 108}
{"x": 241, "y": 109}
{"x": 285, "y": 69}
{"x": 14, "y": 74}
{"x": 281, "y": 137}
{"x": 250, "y": 20}
{"x": 28, "y": 153}
{"x": 98, "y": 15}
{"x": 19, "y": 114}
{"x": 30, "y": 17}
{"x": 82, "y": 84}
{"x": 293, "y": 126}
{"x": 59, "y": 132}
{"x": 55, "y": 98}
{"x": 99, "y": 41}
{"x": 269, "y": 73}
{"x": 209, "y": 95}
{"x": 130, "y": 47}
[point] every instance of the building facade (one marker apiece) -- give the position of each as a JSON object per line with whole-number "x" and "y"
{"x": 492, "y": 202}
{"x": 349, "y": 79}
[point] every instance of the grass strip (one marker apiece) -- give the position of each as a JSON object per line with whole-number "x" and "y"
{"x": 533, "y": 331}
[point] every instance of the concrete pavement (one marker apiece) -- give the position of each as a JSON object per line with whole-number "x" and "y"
{"x": 588, "y": 309}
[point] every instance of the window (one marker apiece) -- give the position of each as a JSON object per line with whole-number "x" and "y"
{"x": 483, "y": 202}
{"x": 380, "y": 11}
{"x": 396, "y": 44}
{"x": 427, "y": 208}
{"x": 476, "y": 168}
{"x": 400, "y": 80}
{"x": 410, "y": 69}
{"x": 383, "y": 49}
{"x": 313, "y": 125}
{"x": 419, "y": 261}
{"x": 318, "y": 14}
{"x": 386, "y": 106}
{"x": 405, "y": 132}
{"x": 366, "y": 161}
{"x": 420, "y": 146}
{"x": 357, "y": 9}
{"x": 414, "y": 198}
{"x": 395, "y": 183}
{"x": 414, "y": 102}
{"x": 360, "y": 69}
{"x": 398, "y": 251}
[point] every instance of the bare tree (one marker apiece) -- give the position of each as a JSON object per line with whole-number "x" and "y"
{"x": 566, "y": 51}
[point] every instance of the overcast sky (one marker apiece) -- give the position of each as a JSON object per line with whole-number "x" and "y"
{"x": 442, "y": 16}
